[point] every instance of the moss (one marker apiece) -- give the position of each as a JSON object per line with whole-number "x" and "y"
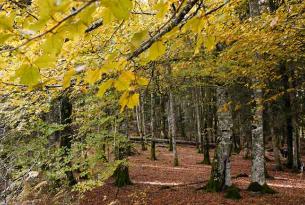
{"x": 205, "y": 161}
{"x": 267, "y": 190}
{"x": 121, "y": 175}
{"x": 262, "y": 189}
{"x": 176, "y": 162}
{"x": 213, "y": 186}
{"x": 232, "y": 192}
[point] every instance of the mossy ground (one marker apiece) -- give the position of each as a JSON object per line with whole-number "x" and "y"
{"x": 232, "y": 192}
{"x": 262, "y": 189}
{"x": 213, "y": 186}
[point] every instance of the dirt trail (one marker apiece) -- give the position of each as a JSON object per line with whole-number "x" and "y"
{"x": 158, "y": 182}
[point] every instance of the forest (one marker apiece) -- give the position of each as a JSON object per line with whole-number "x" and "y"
{"x": 152, "y": 102}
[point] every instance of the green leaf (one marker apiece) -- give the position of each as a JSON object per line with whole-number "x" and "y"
{"x": 28, "y": 75}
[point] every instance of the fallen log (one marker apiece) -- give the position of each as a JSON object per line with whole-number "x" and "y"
{"x": 166, "y": 141}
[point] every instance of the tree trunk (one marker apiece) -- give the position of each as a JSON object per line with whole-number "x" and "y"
{"x": 173, "y": 126}
{"x": 152, "y": 125}
{"x": 258, "y": 151}
{"x": 276, "y": 150}
{"x": 221, "y": 168}
{"x": 66, "y": 134}
{"x": 140, "y": 131}
{"x": 203, "y": 138}
{"x": 143, "y": 115}
{"x": 170, "y": 148}
{"x": 198, "y": 122}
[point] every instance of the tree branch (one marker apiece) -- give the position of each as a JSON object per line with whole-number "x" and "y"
{"x": 94, "y": 25}
{"x": 50, "y": 29}
{"x": 174, "y": 22}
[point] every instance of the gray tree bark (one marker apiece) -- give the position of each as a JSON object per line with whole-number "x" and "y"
{"x": 221, "y": 166}
{"x": 173, "y": 126}
{"x": 258, "y": 150}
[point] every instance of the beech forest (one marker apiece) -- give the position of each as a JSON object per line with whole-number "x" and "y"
{"x": 152, "y": 102}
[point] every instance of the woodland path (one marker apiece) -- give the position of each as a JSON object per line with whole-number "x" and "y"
{"x": 158, "y": 182}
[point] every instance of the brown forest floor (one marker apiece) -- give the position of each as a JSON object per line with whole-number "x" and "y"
{"x": 159, "y": 183}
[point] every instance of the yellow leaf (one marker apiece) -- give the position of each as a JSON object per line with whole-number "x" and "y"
{"x": 86, "y": 15}
{"x": 92, "y": 76}
{"x": 124, "y": 81}
{"x": 133, "y": 100}
{"x": 198, "y": 44}
{"x": 6, "y": 21}
{"x": 119, "y": 8}
{"x": 123, "y": 101}
{"x": 156, "y": 50}
{"x": 67, "y": 78}
{"x": 107, "y": 16}
{"x": 210, "y": 42}
{"x": 45, "y": 61}
{"x": 53, "y": 45}
{"x": 138, "y": 38}
{"x": 142, "y": 81}
{"x": 4, "y": 37}
{"x": 28, "y": 75}
{"x": 104, "y": 87}
{"x": 161, "y": 8}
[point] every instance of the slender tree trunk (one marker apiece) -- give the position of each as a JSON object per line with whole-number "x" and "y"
{"x": 139, "y": 126}
{"x": 198, "y": 122}
{"x": 291, "y": 125}
{"x": 170, "y": 134}
{"x": 164, "y": 133}
{"x": 296, "y": 153}
{"x": 173, "y": 126}
{"x": 206, "y": 147}
{"x": 276, "y": 150}
{"x": 143, "y": 115}
{"x": 152, "y": 125}
{"x": 221, "y": 168}
{"x": 203, "y": 138}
